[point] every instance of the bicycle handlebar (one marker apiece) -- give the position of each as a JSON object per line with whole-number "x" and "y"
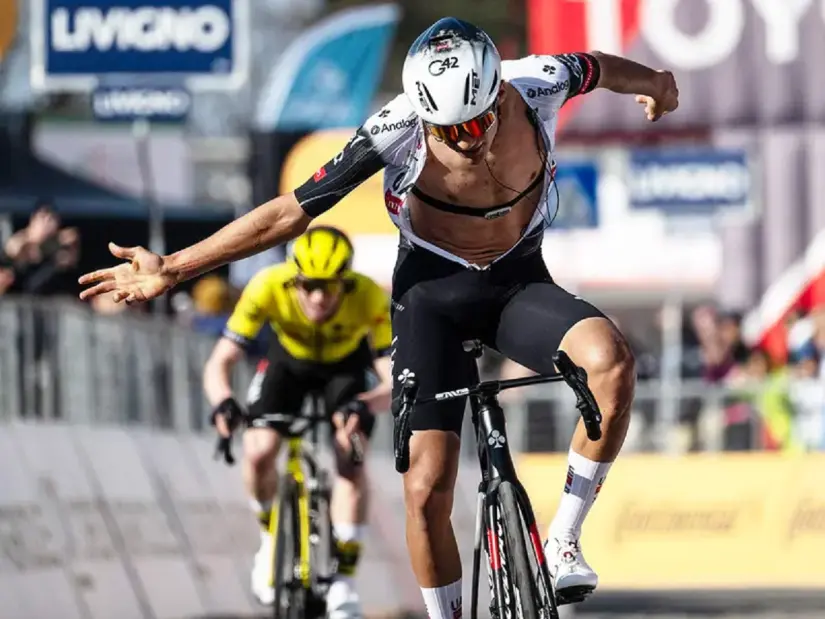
{"x": 223, "y": 444}
{"x": 569, "y": 372}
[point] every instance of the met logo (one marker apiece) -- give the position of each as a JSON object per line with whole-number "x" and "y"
{"x": 146, "y": 29}
{"x": 199, "y": 44}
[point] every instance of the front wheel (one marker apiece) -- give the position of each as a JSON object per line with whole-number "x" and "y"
{"x": 525, "y": 601}
{"x": 290, "y": 594}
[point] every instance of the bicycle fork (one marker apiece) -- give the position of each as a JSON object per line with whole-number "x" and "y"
{"x": 488, "y": 532}
{"x": 496, "y": 466}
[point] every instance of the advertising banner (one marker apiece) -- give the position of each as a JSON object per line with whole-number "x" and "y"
{"x": 328, "y": 77}
{"x": 8, "y": 25}
{"x": 131, "y": 103}
{"x": 688, "y": 181}
{"x": 708, "y": 521}
{"x": 577, "y": 183}
{"x": 748, "y": 62}
{"x": 75, "y": 43}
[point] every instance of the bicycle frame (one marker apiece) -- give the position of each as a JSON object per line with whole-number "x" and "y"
{"x": 496, "y": 463}
{"x": 302, "y": 466}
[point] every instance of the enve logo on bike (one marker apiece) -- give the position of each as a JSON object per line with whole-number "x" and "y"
{"x": 145, "y": 29}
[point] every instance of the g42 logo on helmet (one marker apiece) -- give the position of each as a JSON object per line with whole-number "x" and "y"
{"x": 437, "y": 67}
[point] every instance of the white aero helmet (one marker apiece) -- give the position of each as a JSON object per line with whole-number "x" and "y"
{"x": 452, "y": 72}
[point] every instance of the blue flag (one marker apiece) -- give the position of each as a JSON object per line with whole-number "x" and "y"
{"x": 328, "y": 77}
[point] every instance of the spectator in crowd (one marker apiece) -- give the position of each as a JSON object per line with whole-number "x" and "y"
{"x": 729, "y": 324}
{"x": 212, "y": 305}
{"x": 41, "y": 255}
{"x": 762, "y": 415}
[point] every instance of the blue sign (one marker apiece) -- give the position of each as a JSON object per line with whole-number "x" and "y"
{"x": 77, "y": 42}
{"x": 578, "y": 203}
{"x": 688, "y": 181}
{"x": 328, "y": 77}
{"x": 134, "y": 103}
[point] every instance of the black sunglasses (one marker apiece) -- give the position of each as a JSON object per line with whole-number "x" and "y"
{"x": 324, "y": 285}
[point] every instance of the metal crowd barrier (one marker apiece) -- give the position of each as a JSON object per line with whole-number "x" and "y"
{"x": 59, "y": 360}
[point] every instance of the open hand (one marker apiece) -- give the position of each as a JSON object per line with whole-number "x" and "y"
{"x": 666, "y": 99}
{"x": 138, "y": 280}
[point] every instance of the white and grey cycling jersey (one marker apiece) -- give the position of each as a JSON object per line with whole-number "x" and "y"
{"x": 393, "y": 139}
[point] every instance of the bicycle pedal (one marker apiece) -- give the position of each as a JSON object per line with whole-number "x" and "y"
{"x": 573, "y": 595}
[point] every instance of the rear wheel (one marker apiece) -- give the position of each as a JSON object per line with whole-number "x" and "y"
{"x": 524, "y": 566}
{"x": 290, "y": 594}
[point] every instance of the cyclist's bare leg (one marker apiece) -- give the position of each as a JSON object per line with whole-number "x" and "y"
{"x": 429, "y": 487}
{"x": 349, "y": 505}
{"x": 596, "y": 345}
{"x": 260, "y": 447}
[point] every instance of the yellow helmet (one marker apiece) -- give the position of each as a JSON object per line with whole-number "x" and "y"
{"x": 322, "y": 252}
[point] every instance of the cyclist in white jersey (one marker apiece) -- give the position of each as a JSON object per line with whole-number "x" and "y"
{"x": 468, "y": 158}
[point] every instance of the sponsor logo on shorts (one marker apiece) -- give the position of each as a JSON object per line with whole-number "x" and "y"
{"x": 321, "y": 173}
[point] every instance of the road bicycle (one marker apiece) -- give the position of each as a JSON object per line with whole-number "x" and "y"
{"x": 518, "y": 576}
{"x": 304, "y": 561}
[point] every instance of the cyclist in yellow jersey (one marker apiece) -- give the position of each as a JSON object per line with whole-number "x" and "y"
{"x": 332, "y": 332}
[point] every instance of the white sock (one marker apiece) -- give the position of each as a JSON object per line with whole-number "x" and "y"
{"x": 584, "y": 480}
{"x": 262, "y": 510}
{"x": 347, "y": 534}
{"x": 443, "y": 602}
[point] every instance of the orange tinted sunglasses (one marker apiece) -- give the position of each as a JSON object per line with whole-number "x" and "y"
{"x": 475, "y": 127}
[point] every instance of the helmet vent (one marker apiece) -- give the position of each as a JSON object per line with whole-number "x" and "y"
{"x": 467, "y": 90}
{"x": 429, "y": 96}
{"x": 495, "y": 83}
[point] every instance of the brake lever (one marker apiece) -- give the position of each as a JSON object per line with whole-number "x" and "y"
{"x": 576, "y": 378}
{"x": 401, "y": 426}
{"x": 223, "y": 447}
{"x": 356, "y": 453}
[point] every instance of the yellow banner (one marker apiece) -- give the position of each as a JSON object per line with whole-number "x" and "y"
{"x": 698, "y": 522}
{"x": 8, "y": 25}
{"x": 363, "y": 210}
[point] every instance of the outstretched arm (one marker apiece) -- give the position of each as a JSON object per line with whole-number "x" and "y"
{"x": 146, "y": 275}
{"x": 655, "y": 89}
{"x": 274, "y": 222}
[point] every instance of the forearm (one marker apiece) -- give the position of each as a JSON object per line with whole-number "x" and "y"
{"x": 380, "y": 397}
{"x": 216, "y": 380}
{"x": 270, "y": 224}
{"x": 624, "y": 76}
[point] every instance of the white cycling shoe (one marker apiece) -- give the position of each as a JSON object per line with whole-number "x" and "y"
{"x": 343, "y": 601}
{"x": 262, "y": 579}
{"x": 573, "y": 579}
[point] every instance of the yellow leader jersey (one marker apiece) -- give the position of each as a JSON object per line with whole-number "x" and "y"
{"x": 271, "y": 296}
